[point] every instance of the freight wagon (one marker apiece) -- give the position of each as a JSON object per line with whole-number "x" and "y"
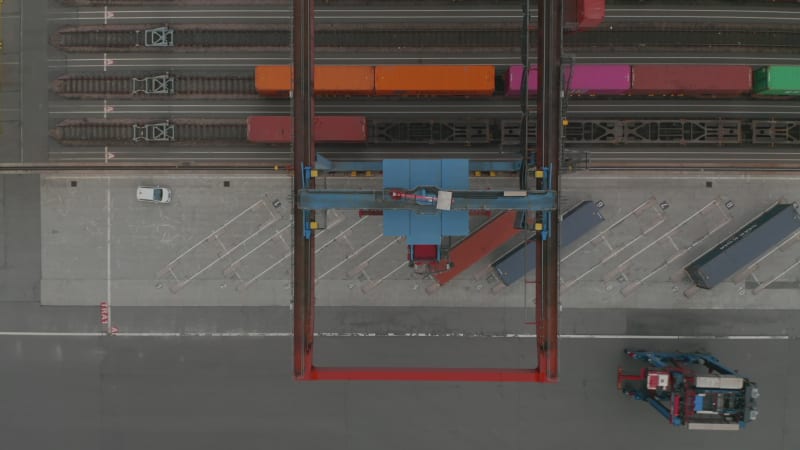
{"x": 744, "y": 246}
{"x": 279, "y": 129}
{"x": 512, "y": 266}
{"x": 276, "y": 81}
{"x": 584, "y": 79}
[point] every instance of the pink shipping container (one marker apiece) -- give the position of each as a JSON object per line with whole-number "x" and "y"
{"x": 588, "y": 79}
{"x": 278, "y": 129}
{"x": 599, "y": 79}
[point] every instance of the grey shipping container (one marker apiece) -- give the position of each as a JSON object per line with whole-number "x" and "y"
{"x": 744, "y": 246}
{"x": 575, "y": 223}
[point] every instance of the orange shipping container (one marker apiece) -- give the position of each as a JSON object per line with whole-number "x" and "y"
{"x": 274, "y": 81}
{"x": 434, "y": 80}
{"x": 344, "y": 80}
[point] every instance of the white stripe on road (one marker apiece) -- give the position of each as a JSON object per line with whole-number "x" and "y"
{"x": 402, "y": 335}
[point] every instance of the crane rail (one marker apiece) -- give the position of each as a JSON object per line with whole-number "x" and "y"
{"x": 265, "y": 37}
{"x": 475, "y": 132}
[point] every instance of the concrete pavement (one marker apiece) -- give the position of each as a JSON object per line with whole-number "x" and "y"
{"x": 228, "y": 246}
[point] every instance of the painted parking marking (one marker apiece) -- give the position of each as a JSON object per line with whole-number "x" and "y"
{"x": 636, "y": 215}
{"x": 622, "y": 270}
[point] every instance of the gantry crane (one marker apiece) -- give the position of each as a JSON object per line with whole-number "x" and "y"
{"x": 540, "y": 201}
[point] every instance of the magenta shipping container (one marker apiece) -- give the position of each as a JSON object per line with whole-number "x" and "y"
{"x": 587, "y": 79}
{"x": 514, "y": 80}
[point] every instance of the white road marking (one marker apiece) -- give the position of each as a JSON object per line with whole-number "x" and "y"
{"x": 278, "y": 334}
{"x": 108, "y": 252}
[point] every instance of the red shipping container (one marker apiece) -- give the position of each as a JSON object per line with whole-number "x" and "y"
{"x": 269, "y": 129}
{"x": 473, "y": 248}
{"x": 340, "y": 129}
{"x": 695, "y": 80}
{"x": 582, "y": 15}
{"x": 279, "y": 129}
{"x": 590, "y": 14}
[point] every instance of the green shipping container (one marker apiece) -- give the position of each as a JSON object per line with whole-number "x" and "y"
{"x": 777, "y": 80}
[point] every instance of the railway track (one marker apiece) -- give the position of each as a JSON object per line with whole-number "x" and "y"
{"x": 189, "y": 86}
{"x": 478, "y": 132}
{"x": 185, "y": 37}
{"x": 102, "y": 132}
{"x": 492, "y": 36}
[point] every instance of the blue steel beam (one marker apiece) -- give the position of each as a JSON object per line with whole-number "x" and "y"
{"x": 314, "y": 199}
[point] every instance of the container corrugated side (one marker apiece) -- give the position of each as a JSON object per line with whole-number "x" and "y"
{"x": 777, "y": 80}
{"x": 513, "y": 80}
{"x": 477, "y": 245}
{"x": 340, "y": 129}
{"x": 434, "y": 80}
{"x": 590, "y": 14}
{"x": 744, "y": 246}
{"x": 279, "y": 129}
{"x": 589, "y": 79}
{"x": 599, "y": 79}
{"x": 273, "y": 80}
{"x": 344, "y": 80}
{"x": 681, "y": 79}
{"x": 513, "y": 266}
{"x": 578, "y": 221}
{"x": 269, "y": 129}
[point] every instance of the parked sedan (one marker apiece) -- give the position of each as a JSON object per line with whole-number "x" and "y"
{"x": 153, "y": 194}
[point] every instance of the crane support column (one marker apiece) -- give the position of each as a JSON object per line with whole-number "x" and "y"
{"x": 303, "y": 150}
{"x": 548, "y": 144}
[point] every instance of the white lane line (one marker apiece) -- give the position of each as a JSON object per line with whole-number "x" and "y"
{"x": 702, "y": 176}
{"x": 109, "y": 327}
{"x": 277, "y": 17}
{"x": 177, "y": 175}
{"x": 406, "y": 335}
{"x": 726, "y": 11}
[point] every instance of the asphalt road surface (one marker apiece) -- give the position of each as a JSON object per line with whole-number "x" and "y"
{"x": 237, "y": 393}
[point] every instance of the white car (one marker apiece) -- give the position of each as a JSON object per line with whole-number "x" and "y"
{"x": 154, "y": 194}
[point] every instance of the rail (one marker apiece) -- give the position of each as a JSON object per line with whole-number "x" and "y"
{"x": 636, "y": 37}
{"x": 475, "y": 132}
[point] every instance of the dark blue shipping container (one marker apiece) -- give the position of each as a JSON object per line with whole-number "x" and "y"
{"x": 522, "y": 259}
{"x": 744, "y": 246}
